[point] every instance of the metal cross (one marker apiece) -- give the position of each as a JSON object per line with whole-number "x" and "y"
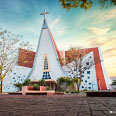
{"x": 44, "y": 14}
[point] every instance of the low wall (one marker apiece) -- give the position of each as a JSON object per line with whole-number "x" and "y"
{"x": 101, "y": 93}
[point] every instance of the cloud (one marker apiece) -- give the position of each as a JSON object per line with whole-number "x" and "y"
{"x": 98, "y": 31}
{"x": 94, "y": 42}
{"x": 107, "y": 15}
{"x": 111, "y": 14}
{"x": 58, "y": 28}
{"x": 55, "y": 22}
{"x": 110, "y": 52}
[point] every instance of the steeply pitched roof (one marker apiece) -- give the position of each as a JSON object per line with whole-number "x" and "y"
{"x": 26, "y": 58}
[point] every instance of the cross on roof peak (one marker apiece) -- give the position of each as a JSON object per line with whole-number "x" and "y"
{"x": 44, "y": 13}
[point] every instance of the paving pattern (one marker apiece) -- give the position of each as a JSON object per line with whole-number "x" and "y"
{"x": 62, "y": 105}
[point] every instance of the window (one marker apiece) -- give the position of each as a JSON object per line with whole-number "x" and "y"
{"x": 87, "y": 63}
{"x": 82, "y": 75}
{"x": 88, "y": 72}
{"x": 89, "y": 83}
{"x": 46, "y": 75}
{"x": 82, "y": 71}
{"x": 88, "y": 77}
{"x": 14, "y": 73}
{"x": 82, "y": 87}
{"x": 86, "y": 81}
{"x": 89, "y": 87}
{"x": 45, "y": 64}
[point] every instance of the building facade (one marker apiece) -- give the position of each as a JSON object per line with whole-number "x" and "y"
{"x": 44, "y": 64}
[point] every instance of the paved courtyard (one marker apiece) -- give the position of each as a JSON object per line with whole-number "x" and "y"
{"x": 64, "y": 105}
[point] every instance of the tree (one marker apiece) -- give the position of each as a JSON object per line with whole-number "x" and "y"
{"x": 65, "y": 80}
{"x": 76, "y": 62}
{"x": 9, "y": 47}
{"x": 86, "y": 4}
{"x": 113, "y": 82}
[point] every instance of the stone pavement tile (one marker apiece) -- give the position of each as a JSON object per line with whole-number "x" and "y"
{"x": 107, "y": 112}
{"x": 97, "y": 113}
{"x": 84, "y": 106}
{"x": 84, "y": 114}
{"x": 56, "y": 106}
{"x": 70, "y": 114}
{"x": 84, "y": 110}
{"x": 104, "y": 108}
{"x": 74, "y": 109}
{"x": 5, "y": 114}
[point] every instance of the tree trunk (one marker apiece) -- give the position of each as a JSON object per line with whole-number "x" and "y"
{"x": 78, "y": 90}
{"x": 1, "y": 86}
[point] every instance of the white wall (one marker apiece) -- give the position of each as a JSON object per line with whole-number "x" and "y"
{"x": 92, "y": 75}
{"x": 45, "y": 46}
{"x": 18, "y": 75}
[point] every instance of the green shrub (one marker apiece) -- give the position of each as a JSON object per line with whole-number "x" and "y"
{"x": 114, "y": 82}
{"x": 42, "y": 82}
{"x": 59, "y": 90}
{"x": 72, "y": 92}
{"x": 85, "y": 89}
{"x": 25, "y": 83}
{"x": 76, "y": 91}
{"x": 66, "y": 91}
{"x": 36, "y": 86}
{"x": 18, "y": 85}
{"x": 47, "y": 88}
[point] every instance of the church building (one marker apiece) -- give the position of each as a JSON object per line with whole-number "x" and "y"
{"x": 44, "y": 64}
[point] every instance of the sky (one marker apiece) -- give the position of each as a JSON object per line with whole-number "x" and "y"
{"x": 95, "y": 27}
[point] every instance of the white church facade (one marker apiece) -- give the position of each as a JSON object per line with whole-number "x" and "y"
{"x": 44, "y": 64}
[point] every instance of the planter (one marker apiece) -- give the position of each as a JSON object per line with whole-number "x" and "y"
{"x": 42, "y": 88}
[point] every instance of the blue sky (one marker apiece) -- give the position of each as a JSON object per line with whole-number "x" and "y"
{"x": 92, "y": 28}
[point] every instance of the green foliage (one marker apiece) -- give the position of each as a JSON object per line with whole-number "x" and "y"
{"x": 114, "y": 82}
{"x": 85, "y": 90}
{"x": 36, "y": 86}
{"x": 61, "y": 80}
{"x": 25, "y": 83}
{"x": 18, "y": 85}
{"x": 1, "y": 76}
{"x": 72, "y": 92}
{"x": 47, "y": 88}
{"x": 42, "y": 82}
{"x": 66, "y": 80}
{"x": 66, "y": 91}
{"x": 86, "y": 4}
{"x": 76, "y": 91}
{"x": 1, "y": 67}
{"x": 59, "y": 90}
{"x": 77, "y": 80}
